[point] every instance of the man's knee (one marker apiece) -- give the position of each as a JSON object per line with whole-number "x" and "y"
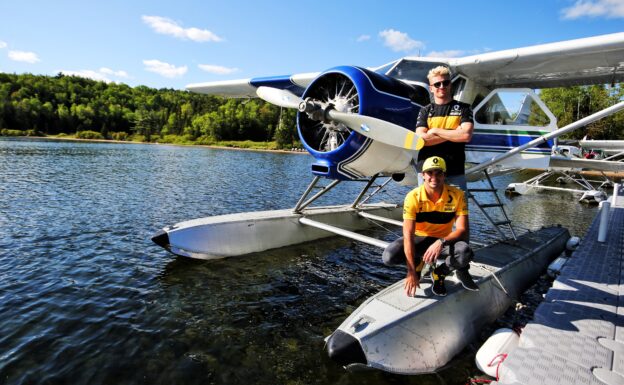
{"x": 462, "y": 254}
{"x": 394, "y": 253}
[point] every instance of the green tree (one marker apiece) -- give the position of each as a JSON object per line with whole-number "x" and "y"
{"x": 573, "y": 103}
{"x": 285, "y": 133}
{"x": 146, "y": 123}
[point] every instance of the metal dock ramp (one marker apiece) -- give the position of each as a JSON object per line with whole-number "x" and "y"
{"x": 577, "y": 333}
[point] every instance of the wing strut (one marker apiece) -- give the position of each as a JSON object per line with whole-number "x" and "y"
{"x": 344, "y": 233}
{"x": 380, "y": 218}
{"x": 301, "y": 204}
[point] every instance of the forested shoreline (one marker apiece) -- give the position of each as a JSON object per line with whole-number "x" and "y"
{"x": 36, "y": 105}
{"x": 71, "y": 106}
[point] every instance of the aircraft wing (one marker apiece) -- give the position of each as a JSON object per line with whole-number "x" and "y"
{"x": 246, "y": 88}
{"x": 593, "y": 60}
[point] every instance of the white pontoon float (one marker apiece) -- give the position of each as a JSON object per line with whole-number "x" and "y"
{"x": 413, "y": 335}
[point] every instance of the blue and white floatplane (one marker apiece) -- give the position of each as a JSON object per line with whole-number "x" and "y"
{"x": 358, "y": 125}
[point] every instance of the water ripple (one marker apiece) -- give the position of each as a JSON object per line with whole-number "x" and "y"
{"x": 86, "y": 298}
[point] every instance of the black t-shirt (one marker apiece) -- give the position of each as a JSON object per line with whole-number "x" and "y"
{"x": 448, "y": 116}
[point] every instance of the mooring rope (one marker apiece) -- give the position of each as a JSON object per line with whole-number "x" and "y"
{"x": 492, "y": 272}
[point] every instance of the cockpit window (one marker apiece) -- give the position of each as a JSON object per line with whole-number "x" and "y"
{"x": 413, "y": 70}
{"x": 512, "y": 108}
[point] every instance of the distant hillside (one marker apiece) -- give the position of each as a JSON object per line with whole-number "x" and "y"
{"x": 44, "y": 105}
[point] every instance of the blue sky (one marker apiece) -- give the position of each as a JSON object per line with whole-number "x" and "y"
{"x": 171, "y": 44}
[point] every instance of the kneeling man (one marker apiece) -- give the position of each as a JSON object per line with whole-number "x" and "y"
{"x": 429, "y": 213}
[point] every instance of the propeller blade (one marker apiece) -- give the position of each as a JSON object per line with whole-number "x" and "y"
{"x": 282, "y": 98}
{"x": 381, "y": 130}
{"x": 376, "y": 129}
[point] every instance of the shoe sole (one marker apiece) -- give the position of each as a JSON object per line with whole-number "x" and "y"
{"x": 470, "y": 288}
{"x": 466, "y": 287}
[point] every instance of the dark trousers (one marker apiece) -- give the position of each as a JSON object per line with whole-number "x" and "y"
{"x": 456, "y": 256}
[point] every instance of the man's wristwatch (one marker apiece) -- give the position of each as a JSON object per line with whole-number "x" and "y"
{"x": 443, "y": 241}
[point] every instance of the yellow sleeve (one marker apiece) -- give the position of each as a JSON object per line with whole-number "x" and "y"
{"x": 462, "y": 206}
{"x": 410, "y": 206}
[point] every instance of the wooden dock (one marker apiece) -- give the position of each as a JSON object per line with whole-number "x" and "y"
{"x": 577, "y": 334}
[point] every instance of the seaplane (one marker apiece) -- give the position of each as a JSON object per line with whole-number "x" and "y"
{"x": 358, "y": 124}
{"x": 567, "y": 164}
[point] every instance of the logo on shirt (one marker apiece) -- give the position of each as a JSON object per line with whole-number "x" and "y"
{"x": 449, "y": 206}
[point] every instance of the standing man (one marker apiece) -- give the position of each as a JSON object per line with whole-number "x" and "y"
{"x": 446, "y": 125}
{"x": 429, "y": 213}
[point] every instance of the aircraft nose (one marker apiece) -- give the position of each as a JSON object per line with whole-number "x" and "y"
{"x": 161, "y": 238}
{"x": 345, "y": 349}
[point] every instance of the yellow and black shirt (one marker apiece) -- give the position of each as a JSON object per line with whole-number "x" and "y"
{"x": 434, "y": 219}
{"x": 448, "y": 116}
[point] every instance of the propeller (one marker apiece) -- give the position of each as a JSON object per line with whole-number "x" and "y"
{"x": 376, "y": 129}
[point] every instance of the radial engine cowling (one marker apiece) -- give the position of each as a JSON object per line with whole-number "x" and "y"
{"x": 344, "y": 154}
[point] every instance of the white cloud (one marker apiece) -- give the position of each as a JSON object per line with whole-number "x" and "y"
{"x": 400, "y": 41}
{"x": 447, "y": 53}
{"x": 3, "y": 44}
{"x": 362, "y": 38}
{"x": 164, "y": 69}
{"x": 23, "y": 56}
{"x": 610, "y": 9}
{"x": 216, "y": 69}
{"x": 167, "y": 26}
{"x": 108, "y": 71}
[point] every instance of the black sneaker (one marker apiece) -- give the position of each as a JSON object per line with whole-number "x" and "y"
{"x": 438, "y": 287}
{"x": 466, "y": 280}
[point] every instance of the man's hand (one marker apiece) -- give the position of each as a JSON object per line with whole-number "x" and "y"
{"x": 412, "y": 282}
{"x": 430, "y": 138}
{"x": 434, "y": 131}
{"x": 432, "y": 253}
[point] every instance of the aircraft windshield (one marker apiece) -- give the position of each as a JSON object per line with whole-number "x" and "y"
{"x": 384, "y": 68}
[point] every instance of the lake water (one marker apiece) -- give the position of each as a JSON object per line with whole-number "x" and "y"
{"x": 87, "y": 298}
